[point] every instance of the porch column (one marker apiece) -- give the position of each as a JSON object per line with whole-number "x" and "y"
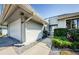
{"x": 23, "y": 22}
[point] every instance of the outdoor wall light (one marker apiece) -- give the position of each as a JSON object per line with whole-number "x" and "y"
{"x": 21, "y": 13}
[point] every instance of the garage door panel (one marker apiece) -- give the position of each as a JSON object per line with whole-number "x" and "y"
{"x": 33, "y": 31}
{"x": 15, "y": 29}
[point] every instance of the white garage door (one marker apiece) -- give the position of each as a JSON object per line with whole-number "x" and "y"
{"x": 14, "y": 29}
{"x": 33, "y": 31}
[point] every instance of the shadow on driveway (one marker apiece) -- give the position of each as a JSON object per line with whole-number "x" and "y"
{"x": 8, "y": 41}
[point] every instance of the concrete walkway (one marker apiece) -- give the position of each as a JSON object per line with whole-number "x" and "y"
{"x": 41, "y": 48}
{"x": 37, "y": 48}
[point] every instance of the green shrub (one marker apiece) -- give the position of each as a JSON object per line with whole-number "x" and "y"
{"x": 58, "y": 42}
{"x": 67, "y": 44}
{"x": 75, "y": 45}
{"x": 60, "y": 39}
{"x": 75, "y": 33}
{"x": 63, "y": 32}
{"x": 60, "y": 31}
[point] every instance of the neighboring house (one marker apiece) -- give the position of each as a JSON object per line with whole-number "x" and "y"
{"x": 22, "y": 22}
{"x": 70, "y": 21}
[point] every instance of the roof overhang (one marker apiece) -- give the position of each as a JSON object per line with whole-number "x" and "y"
{"x": 9, "y": 9}
{"x": 68, "y": 16}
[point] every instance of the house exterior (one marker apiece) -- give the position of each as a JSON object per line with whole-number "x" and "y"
{"x": 22, "y": 23}
{"x": 70, "y": 21}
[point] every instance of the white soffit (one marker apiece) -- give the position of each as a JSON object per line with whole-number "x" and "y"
{"x": 27, "y": 8}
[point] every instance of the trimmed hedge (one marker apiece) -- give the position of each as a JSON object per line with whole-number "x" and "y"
{"x": 60, "y": 31}
{"x": 75, "y": 33}
{"x": 63, "y": 32}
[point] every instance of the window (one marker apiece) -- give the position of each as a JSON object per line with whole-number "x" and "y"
{"x": 72, "y": 24}
{"x": 68, "y": 24}
{"x": 78, "y": 24}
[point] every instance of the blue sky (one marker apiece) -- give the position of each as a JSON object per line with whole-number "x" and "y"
{"x": 0, "y": 8}
{"x": 48, "y": 10}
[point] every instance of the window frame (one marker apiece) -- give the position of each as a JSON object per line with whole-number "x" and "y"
{"x": 71, "y": 25}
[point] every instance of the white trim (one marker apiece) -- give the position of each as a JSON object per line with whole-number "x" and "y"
{"x": 28, "y": 19}
{"x": 23, "y": 24}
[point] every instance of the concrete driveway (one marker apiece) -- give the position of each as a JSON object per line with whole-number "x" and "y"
{"x": 37, "y": 48}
